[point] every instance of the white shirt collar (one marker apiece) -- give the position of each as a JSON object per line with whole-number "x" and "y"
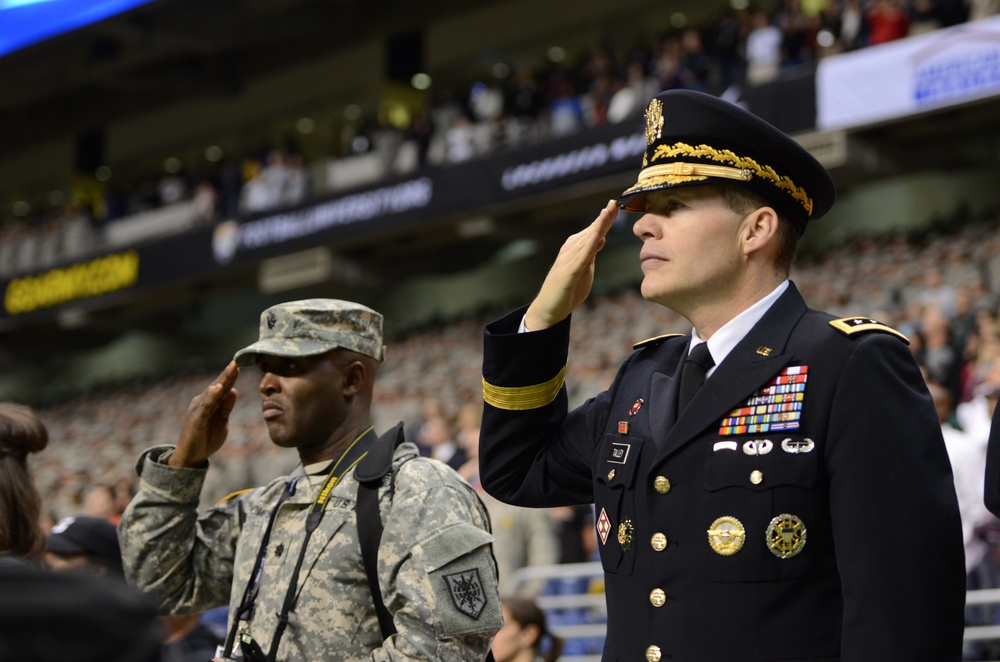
{"x": 732, "y": 332}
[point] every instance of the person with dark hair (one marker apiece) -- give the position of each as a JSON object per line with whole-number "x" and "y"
{"x": 294, "y": 559}
{"x": 525, "y": 636}
{"x": 58, "y": 616}
{"x": 757, "y": 478}
{"x": 21, "y": 433}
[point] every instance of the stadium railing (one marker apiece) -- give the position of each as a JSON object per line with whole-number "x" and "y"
{"x": 573, "y": 601}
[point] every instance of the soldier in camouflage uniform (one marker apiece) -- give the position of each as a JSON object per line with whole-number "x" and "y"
{"x": 317, "y": 360}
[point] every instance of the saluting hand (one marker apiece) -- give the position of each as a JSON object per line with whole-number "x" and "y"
{"x": 206, "y": 423}
{"x": 571, "y": 276}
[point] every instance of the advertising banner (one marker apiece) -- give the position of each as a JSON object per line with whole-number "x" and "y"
{"x": 909, "y": 76}
{"x": 433, "y": 193}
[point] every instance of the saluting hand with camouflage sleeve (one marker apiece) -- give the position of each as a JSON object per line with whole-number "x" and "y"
{"x": 286, "y": 557}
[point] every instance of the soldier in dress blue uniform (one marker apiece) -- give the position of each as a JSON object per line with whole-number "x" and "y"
{"x": 799, "y": 505}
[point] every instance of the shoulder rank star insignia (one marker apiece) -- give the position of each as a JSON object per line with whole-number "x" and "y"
{"x": 852, "y": 325}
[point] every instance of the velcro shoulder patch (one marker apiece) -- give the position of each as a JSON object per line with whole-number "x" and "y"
{"x": 655, "y": 340}
{"x": 850, "y": 326}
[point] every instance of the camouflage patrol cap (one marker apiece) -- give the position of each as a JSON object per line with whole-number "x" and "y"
{"x": 314, "y": 326}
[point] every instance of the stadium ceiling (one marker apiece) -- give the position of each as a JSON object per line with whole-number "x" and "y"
{"x": 170, "y": 50}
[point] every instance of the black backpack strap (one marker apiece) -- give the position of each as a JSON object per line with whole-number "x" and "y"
{"x": 369, "y": 473}
{"x": 370, "y": 533}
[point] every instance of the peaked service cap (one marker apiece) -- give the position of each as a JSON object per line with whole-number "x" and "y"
{"x": 694, "y": 138}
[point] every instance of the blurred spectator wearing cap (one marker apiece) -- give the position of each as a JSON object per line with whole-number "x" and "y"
{"x": 21, "y": 433}
{"x": 801, "y": 443}
{"x": 84, "y": 543}
{"x": 286, "y": 557}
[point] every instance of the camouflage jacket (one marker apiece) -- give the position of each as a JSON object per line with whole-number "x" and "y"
{"x": 435, "y": 566}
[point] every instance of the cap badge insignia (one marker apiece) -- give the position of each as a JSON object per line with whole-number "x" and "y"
{"x": 625, "y": 531}
{"x": 603, "y": 526}
{"x": 272, "y": 319}
{"x": 775, "y": 406}
{"x": 654, "y": 121}
{"x": 726, "y": 535}
{"x": 786, "y": 536}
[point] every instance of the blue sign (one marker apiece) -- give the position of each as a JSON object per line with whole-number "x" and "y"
{"x": 27, "y": 22}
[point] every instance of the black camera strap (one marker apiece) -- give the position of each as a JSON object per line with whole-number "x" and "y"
{"x": 253, "y": 586}
{"x": 336, "y": 470}
{"x": 347, "y": 460}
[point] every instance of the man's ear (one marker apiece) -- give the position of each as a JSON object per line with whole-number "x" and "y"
{"x": 758, "y": 230}
{"x": 359, "y": 375}
{"x": 356, "y": 375}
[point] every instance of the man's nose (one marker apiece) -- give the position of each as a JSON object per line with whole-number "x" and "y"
{"x": 268, "y": 383}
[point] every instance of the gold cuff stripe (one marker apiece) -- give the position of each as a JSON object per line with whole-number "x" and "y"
{"x": 522, "y": 398}
{"x": 738, "y": 162}
{"x": 872, "y": 325}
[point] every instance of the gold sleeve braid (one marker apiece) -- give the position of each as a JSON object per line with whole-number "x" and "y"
{"x": 523, "y": 398}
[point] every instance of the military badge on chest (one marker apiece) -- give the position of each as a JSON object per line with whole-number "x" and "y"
{"x": 617, "y": 458}
{"x": 776, "y": 406}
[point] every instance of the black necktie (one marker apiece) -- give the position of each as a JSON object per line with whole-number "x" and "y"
{"x": 693, "y": 374}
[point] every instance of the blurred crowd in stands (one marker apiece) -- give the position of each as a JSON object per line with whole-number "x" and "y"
{"x": 554, "y": 98}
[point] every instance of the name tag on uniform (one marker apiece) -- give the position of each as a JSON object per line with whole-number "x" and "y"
{"x": 619, "y": 453}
